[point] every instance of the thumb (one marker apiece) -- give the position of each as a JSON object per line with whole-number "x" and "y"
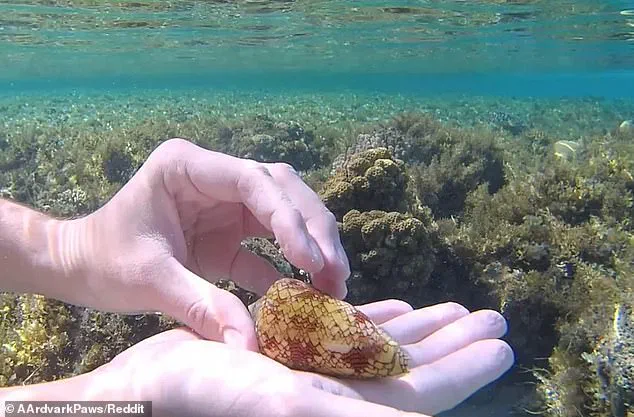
{"x": 213, "y": 313}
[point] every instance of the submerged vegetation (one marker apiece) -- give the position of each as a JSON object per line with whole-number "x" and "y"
{"x": 429, "y": 210}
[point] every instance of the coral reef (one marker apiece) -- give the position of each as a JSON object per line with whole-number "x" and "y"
{"x": 34, "y": 334}
{"x": 444, "y": 162}
{"x": 555, "y": 246}
{"x": 428, "y": 212}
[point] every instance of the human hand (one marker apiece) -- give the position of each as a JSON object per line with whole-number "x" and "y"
{"x": 453, "y": 353}
{"x": 181, "y": 218}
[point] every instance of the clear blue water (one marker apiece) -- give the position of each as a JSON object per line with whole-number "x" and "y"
{"x": 497, "y": 47}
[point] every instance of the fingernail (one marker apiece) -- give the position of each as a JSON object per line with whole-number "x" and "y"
{"x": 233, "y": 337}
{"x": 315, "y": 255}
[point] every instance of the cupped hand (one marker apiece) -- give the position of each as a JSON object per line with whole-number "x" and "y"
{"x": 176, "y": 226}
{"x": 452, "y": 353}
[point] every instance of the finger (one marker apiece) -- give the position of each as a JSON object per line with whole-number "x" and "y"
{"x": 454, "y": 378}
{"x": 249, "y": 226}
{"x": 253, "y": 228}
{"x": 213, "y": 313}
{"x": 418, "y": 324}
{"x": 322, "y": 226}
{"x": 480, "y": 325}
{"x": 271, "y": 205}
{"x": 318, "y": 403}
{"x": 431, "y": 388}
{"x": 226, "y": 178}
{"x": 383, "y": 311}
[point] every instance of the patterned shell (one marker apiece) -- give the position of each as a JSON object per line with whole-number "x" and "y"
{"x": 305, "y": 329}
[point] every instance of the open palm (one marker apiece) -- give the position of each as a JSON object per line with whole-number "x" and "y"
{"x": 452, "y": 354}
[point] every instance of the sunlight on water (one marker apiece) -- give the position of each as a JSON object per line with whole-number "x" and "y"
{"x": 86, "y": 38}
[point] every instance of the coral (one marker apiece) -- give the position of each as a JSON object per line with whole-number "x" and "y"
{"x": 547, "y": 240}
{"x": 387, "y": 250}
{"x": 101, "y": 336}
{"x": 44, "y": 340}
{"x": 370, "y": 180}
{"x": 410, "y": 137}
{"x": 555, "y": 247}
{"x": 560, "y": 387}
{"x": 444, "y": 162}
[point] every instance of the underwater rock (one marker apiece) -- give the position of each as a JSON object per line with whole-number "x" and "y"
{"x": 411, "y": 137}
{"x": 389, "y": 138}
{"x": 445, "y": 163}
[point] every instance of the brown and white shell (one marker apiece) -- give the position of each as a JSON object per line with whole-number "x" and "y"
{"x": 306, "y": 329}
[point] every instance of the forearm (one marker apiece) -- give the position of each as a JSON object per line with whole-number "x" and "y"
{"x": 92, "y": 386}
{"x": 38, "y": 254}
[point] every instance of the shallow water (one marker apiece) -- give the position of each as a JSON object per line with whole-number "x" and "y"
{"x": 565, "y": 68}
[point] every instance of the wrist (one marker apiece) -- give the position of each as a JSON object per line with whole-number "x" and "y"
{"x": 40, "y": 254}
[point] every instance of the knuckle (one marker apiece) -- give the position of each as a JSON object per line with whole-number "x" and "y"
{"x": 251, "y": 177}
{"x": 329, "y": 218}
{"x": 258, "y": 170}
{"x": 295, "y": 216}
{"x": 197, "y": 315}
{"x": 169, "y": 154}
{"x": 208, "y": 313}
{"x": 173, "y": 145}
{"x": 285, "y": 169}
